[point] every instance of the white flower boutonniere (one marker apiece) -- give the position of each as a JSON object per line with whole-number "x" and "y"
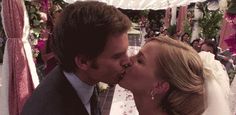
{"x": 102, "y": 86}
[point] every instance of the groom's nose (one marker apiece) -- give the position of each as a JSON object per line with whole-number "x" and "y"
{"x": 127, "y": 64}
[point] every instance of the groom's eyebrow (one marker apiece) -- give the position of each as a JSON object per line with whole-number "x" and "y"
{"x": 119, "y": 54}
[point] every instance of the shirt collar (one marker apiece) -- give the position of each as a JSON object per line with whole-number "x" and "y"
{"x": 83, "y": 90}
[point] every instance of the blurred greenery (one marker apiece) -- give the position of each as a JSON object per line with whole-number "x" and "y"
{"x": 60, "y": 2}
{"x": 154, "y": 17}
{"x": 231, "y": 74}
{"x": 135, "y": 15}
{"x": 210, "y": 22}
{"x": 36, "y": 23}
{"x": 172, "y": 30}
{"x": 2, "y": 40}
{"x": 187, "y": 27}
{"x": 33, "y": 7}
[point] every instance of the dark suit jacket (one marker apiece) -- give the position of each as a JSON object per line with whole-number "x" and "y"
{"x": 54, "y": 96}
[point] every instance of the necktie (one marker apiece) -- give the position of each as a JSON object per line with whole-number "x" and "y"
{"x": 95, "y": 110}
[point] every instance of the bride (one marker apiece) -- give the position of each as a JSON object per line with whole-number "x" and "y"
{"x": 168, "y": 77}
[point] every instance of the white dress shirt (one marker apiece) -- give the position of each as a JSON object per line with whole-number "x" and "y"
{"x": 83, "y": 90}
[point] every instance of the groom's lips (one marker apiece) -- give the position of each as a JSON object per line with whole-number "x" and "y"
{"x": 123, "y": 72}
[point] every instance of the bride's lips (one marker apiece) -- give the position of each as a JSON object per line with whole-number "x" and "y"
{"x": 122, "y": 74}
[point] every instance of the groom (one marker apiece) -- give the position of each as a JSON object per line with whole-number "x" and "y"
{"x": 90, "y": 43}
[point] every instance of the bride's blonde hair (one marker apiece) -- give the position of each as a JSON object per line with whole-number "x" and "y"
{"x": 180, "y": 65}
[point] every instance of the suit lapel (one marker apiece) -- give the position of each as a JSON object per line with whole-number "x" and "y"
{"x": 71, "y": 100}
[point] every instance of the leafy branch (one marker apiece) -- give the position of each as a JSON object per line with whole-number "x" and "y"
{"x": 210, "y": 22}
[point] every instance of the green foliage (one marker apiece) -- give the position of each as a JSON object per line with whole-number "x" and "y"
{"x": 60, "y": 2}
{"x": 156, "y": 19}
{"x": 40, "y": 21}
{"x": 231, "y": 74}
{"x": 36, "y": 23}
{"x": 2, "y": 41}
{"x": 135, "y": 15}
{"x": 172, "y": 30}
{"x": 33, "y": 8}
{"x": 210, "y": 22}
{"x": 144, "y": 13}
{"x": 2, "y": 33}
{"x": 154, "y": 16}
{"x": 187, "y": 27}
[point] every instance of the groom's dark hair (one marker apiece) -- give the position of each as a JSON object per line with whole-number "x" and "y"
{"x": 84, "y": 29}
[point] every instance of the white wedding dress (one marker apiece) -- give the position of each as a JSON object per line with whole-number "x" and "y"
{"x": 233, "y": 97}
{"x": 217, "y": 86}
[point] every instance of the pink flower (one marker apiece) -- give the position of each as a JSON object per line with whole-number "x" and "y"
{"x": 231, "y": 42}
{"x": 41, "y": 44}
{"x": 43, "y": 16}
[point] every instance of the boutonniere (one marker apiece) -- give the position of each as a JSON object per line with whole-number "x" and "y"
{"x": 102, "y": 86}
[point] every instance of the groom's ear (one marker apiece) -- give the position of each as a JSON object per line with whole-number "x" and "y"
{"x": 82, "y": 62}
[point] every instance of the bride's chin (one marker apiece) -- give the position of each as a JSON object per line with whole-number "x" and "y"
{"x": 124, "y": 79}
{"x": 123, "y": 84}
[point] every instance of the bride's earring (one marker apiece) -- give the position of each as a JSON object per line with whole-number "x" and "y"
{"x": 152, "y": 95}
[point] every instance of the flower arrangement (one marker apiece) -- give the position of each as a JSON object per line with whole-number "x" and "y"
{"x": 37, "y": 24}
{"x": 230, "y": 16}
{"x": 231, "y": 41}
{"x": 39, "y": 13}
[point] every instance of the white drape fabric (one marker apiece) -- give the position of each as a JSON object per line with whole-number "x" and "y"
{"x": 4, "y": 84}
{"x": 144, "y": 4}
{"x": 27, "y": 48}
{"x": 12, "y": 104}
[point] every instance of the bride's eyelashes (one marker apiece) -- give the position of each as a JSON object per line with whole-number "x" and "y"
{"x": 140, "y": 58}
{"x": 137, "y": 59}
{"x": 140, "y": 61}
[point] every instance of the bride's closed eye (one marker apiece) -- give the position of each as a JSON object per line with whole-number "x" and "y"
{"x": 139, "y": 58}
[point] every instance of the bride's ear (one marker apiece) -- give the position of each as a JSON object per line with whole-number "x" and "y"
{"x": 161, "y": 87}
{"x": 165, "y": 86}
{"x": 81, "y": 62}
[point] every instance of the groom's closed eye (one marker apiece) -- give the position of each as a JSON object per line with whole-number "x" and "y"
{"x": 118, "y": 55}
